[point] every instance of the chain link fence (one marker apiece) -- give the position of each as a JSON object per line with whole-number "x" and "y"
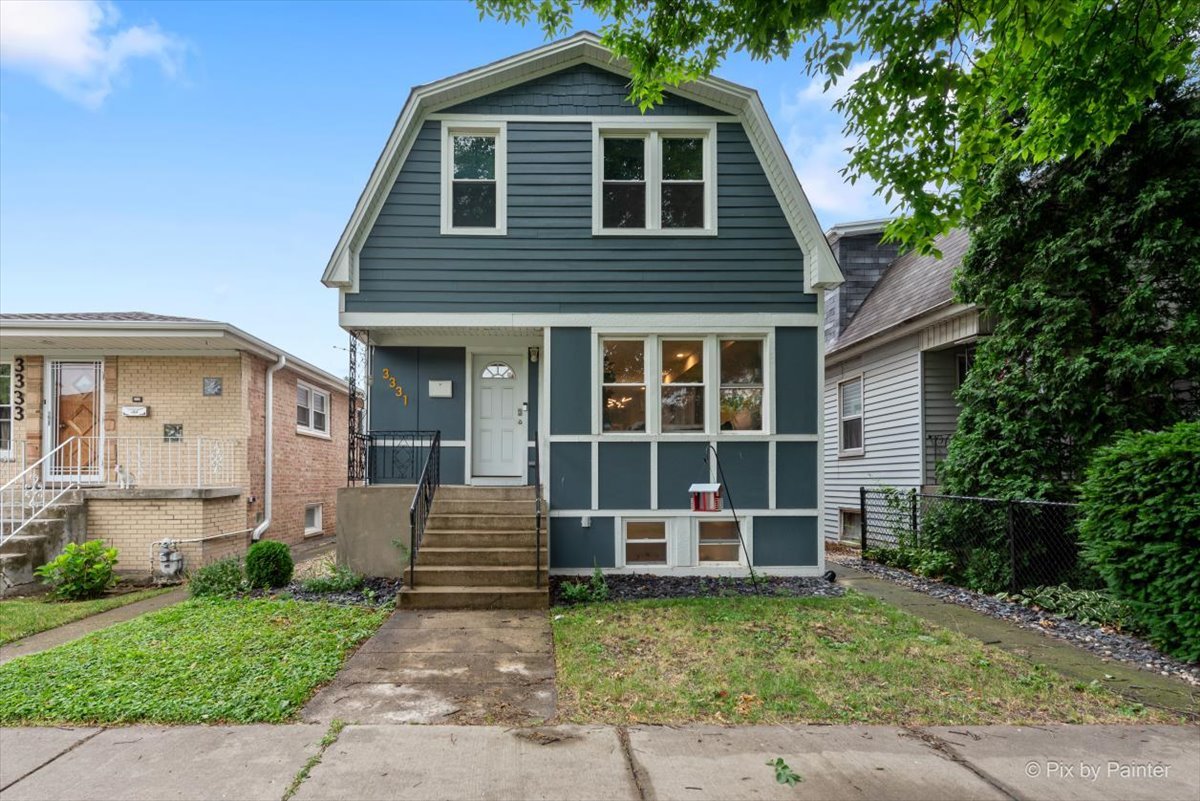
{"x": 983, "y": 544}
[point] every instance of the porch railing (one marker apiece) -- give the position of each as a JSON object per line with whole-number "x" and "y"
{"x": 15, "y": 456}
{"x": 150, "y": 462}
{"x": 392, "y": 457}
{"x": 537, "y": 510}
{"x": 418, "y": 513}
{"x": 26, "y": 496}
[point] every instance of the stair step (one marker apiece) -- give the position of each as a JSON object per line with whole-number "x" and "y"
{"x": 459, "y": 597}
{"x": 480, "y": 538}
{"x": 24, "y": 542}
{"x": 458, "y": 522}
{"x": 485, "y": 576}
{"x": 482, "y": 506}
{"x": 461, "y": 492}
{"x": 483, "y": 555}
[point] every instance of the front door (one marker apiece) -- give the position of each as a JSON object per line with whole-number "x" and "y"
{"x": 75, "y": 418}
{"x": 498, "y": 435}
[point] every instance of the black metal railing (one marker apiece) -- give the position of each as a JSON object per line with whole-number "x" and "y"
{"x": 537, "y": 510}
{"x": 984, "y": 544}
{"x": 418, "y": 513}
{"x": 392, "y": 457}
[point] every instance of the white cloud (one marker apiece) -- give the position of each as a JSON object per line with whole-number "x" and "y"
{"x": 818, "y": 148}
{"x": 76, "y": 46}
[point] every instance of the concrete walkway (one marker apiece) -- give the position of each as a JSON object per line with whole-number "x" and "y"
{"x": 446, "y": 666}
{"x": 601, "y": 762}
{"x": 45, "y": 640}
{"x": 1072, "y": 661}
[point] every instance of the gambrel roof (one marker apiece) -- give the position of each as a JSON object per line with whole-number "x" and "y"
{"x": 820, "y": 267}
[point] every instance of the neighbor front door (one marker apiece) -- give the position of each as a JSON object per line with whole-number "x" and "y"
{"x": 75, "y": 419}
{"x": 498, "y": 422}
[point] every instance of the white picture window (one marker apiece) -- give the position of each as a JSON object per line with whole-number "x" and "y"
{"x": 623, "y": 391}
{"x": 312, "y": 519}
{"x": 312, "y": 409}
{"x": 474, "y": 180}
{"x": 682, "y": 384}
{"x": 6, "y": 410}
{"x": 645, "y": 542}
{"x": 718, "y": 541}
{"x": 659, "y": 180}
{"x": 850, "y": 417}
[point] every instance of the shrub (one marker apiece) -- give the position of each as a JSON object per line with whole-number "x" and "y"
{"x": 338, "y": 579}
{"x": 269, "y": 564}
{"x": 1140, "y": 529}
{"x": 586, "y": 592}
{"x": 80, "y": 571}
{"x": 222, "y": 579}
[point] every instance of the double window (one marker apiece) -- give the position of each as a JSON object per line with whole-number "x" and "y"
{"x": 850, "y": 417}
{"x": 312, "y": 409}
{"x": 654, "y": 181}
{"x": 474, "y": 180}
{"x": 698, "y": 384}
{"x": 652, "y": 543}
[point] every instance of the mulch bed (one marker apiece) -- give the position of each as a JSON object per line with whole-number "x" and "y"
{"x": 373, "y": 592}
{"x": 643, "y": 586}
{"x": 1104, "y": 642}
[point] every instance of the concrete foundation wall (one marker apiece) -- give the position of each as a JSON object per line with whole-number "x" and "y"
{"x": 369, "y": 521}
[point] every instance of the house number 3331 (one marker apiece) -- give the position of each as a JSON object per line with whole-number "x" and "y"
{"x": 395, "y": 385}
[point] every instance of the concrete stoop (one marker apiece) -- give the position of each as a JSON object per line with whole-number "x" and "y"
{"x": 479, "y": 552}
{"x": 38, "y": 543}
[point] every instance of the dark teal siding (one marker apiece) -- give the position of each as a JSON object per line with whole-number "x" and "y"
{"x": 680, "y": 465}
{"x": 576, "y": 90}
{"x": 550, "y": 261}
{"x": 785, "y": 541}
{"x": 746, "y": 466}
{"x": 414, "y": 368}
{"x": 796, "y": 466}
{"x": 572, "y": 545}
{"x": 570, "y": 380}
{"x": 796, "y": 354}
{"x": 570, "y": 482}
{"x": 624, "y": 475}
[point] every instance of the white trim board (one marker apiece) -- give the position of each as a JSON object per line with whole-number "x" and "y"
{"x": 608, "y": 322}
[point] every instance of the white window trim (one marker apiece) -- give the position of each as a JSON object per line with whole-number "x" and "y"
{"x": 666, "y": 540}
{"x": 310, "y": 429}
{"x": 712, "y": 384}
{"x": 652, "y": 131}
{"x": 7, "y": 449}
{"x": 320, "y": 527}
{"x": 745, "y": 524}
{"x": 647, "y": 372}
{"x": 862, "y": 416}
{"x": 498, "y": 129}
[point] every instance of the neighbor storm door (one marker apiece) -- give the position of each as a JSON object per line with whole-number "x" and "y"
{"x": 75, "y": 416}
{"x": 498, "y": 410}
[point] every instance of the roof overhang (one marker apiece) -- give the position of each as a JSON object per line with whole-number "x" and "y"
{"x": 821, "y": 268}
{"x": 840, "y": 352}
{"x": 856, "y": 228}
{"x": 125, "y": 337}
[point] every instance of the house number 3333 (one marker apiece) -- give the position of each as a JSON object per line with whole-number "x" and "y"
{"x": 395, "y": 385}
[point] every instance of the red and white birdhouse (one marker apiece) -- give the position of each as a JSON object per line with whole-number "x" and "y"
{"x": 706, "y": 497}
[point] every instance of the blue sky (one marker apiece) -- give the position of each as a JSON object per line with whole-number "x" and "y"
{"x": 201, "y": 159}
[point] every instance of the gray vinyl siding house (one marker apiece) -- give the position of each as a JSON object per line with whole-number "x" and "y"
{"x": 613, "y": 309}
{"x": 897, "y": 345}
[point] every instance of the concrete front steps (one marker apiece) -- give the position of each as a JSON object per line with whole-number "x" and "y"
{"x": 479, "y": 552}
{"x": 36, "y": 544}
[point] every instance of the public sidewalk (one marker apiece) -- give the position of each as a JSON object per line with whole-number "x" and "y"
{"x": 602, "y": 762}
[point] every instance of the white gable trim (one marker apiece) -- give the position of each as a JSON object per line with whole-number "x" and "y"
{"x": 821, "y": 269}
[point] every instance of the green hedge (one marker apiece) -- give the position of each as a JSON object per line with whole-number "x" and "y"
{"x": 1141, "y": 530}
{"x": 269, "y": 564}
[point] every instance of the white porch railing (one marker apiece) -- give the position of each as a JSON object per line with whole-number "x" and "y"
{"x": 15, "y": 456}
{"x": 128, "y": 462}
{"x": 26, "y": 496}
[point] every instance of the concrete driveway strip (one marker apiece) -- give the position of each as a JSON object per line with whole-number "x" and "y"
{"x": 175, "y": 764}
{"x": 842, "y": 762}
{"x": 24, "y": 750}
{"x": 471, "y": 763}
{"x": 1084, "y": 763}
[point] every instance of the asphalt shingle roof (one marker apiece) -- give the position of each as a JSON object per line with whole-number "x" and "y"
{"x": 99, "y": 317}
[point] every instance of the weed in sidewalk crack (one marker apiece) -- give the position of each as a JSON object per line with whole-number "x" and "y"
{"x": 335, "y": 730}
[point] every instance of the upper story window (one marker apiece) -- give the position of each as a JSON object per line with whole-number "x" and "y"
{"x": 659, "y": 180}
{"x": 312, "y": 409}
{"x": 474, "y": 180}
{"x": 850, "y": 417}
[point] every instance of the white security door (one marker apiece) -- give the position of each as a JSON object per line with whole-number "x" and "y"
{"x": 498, "y": 435}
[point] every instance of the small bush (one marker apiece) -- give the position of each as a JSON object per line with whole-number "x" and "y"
{"x": 1140, "y": 529}
{"x": 221, "y": 579}
{"x": 587, "y": 592}
{"x": 269, "y": 564}
{"x": 80, "y": 571}
{"x": 338, "y": 579}
{"x": 1090, "y": 607}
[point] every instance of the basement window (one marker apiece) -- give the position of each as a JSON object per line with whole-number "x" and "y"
{"x": 645, "y": 542}
{"x": 312, "y": 519}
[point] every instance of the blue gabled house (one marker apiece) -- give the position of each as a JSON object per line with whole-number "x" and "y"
{"x": 568, "y": 307}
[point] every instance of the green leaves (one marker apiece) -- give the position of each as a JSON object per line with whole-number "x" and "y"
{"x": 80, "y": 571}
{"x": 957, "y": 86}
{"x": 783, "y": 772}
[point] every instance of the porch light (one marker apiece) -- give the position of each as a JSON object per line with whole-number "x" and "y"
{"x": 533, "y": 355}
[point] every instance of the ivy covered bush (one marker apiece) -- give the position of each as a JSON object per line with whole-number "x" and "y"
{"x": 269, "y": 564}
{"x": 80, "y": 571}
{"x": 1141, "y": 531}
{"x": 221, "y": 579}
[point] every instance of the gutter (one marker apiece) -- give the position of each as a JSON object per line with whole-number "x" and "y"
{"x": 268, "y": 448}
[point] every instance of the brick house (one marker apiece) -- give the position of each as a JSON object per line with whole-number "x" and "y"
{"x": 136, "y": 428}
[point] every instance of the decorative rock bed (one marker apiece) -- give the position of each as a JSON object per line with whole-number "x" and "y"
{"x": 1104, "y": 642}
{"x": 643, "y": 586}
{"x": 373, "y": 592}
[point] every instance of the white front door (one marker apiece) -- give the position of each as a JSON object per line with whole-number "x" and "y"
{"x": 498, "y": 437}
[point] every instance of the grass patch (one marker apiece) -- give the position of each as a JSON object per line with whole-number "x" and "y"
{"x": 21, "y": 617}
{"x": 774, "y": 660}
{"x": 202, "y": 661}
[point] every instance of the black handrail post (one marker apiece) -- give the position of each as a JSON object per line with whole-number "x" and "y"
{"x": 418, "y": 513}
{"x": 537, "y": 509}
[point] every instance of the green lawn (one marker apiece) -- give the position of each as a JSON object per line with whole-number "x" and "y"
{"x": 21, "y": 617}
{"x": 777, "y": 660}
{"x": 202, "y": 661}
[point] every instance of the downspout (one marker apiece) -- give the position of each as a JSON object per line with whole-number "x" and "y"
{"x": 268, "y": 447}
